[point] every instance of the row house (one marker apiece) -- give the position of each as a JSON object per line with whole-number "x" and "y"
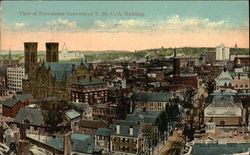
{"x": 126, "y": 139}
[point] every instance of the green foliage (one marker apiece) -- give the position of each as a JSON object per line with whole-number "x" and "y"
{"x": 54, "y": 112}
{"x": 240, "y": 51}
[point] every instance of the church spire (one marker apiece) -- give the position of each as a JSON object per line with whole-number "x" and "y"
{"x": 10, "y": 58}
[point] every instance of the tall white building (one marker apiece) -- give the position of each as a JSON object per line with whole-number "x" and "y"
{"x": 14, "y": 77}
{"x": 222, "y": 52}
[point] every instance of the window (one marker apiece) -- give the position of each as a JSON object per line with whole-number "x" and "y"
{"x": 123, "y": 140}
{"x": 135, "y": 141}
{"x": 27, "y": 123}
{"x": 35, "y": 127}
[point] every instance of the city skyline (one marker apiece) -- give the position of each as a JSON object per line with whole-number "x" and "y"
{"x": 124, "y": 25}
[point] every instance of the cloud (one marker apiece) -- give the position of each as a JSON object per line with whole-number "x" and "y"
{"x": 19, "y": 25}
{"x": 61, "y": 24}
{"x": 173, "y": 23}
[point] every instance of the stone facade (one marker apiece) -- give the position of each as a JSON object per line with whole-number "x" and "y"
{"x": 50, "y": 79}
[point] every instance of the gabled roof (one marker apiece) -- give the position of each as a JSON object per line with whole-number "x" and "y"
{"x": 33, "y": 115}
{"x": 225, "y": 75}
{"x": 9, "y": 103}
{"x": 151, "y": 97}
{"x": 62, "y": 70}
{"x": 80, "y": 143}
{"x": 72, "y": 114}
{"x": 24, "y": 97}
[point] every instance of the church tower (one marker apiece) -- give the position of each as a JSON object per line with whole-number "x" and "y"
{"x": 52, "y": 52}
{"x": 30, "y": 54}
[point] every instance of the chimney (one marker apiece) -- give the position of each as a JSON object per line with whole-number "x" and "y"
{"x": 131, "y": 130}
{"x": 117, "y": 128}
{"x": 67, "y": 144}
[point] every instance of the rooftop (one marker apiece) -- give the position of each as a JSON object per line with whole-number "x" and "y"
{"x": 124, "y": 130}
{"x": 80, "y": 143}
{"x": 62, "y": 70}
{"x": 72, "y": 114}
{"x": 218, "y": 149}
{"x": 89, "y": 81}
{"x": 33, "y": 115}
{"x": 151, "y": 97}
{"x": 93, "y": 124}
{"x": 24, "y": 97}
{"x": 103, "y": 132}
{"x": 9, "y": 103}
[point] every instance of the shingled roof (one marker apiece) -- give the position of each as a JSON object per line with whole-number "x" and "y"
{"x": 34, "y": 116}
{"x": 80, "y": 143}
{"x": 62, "y": 70}
{"x": 124, "y": 130}
{"x": 151, "y": 97}
{"x": 9, "y": 103}
{"x": 24, "y": 97}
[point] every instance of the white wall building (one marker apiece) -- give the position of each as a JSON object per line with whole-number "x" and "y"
{"x": 222, "y": 52}
{"x": 14, "y": 78}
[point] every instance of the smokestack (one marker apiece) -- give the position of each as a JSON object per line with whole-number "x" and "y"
{"x": 131, "y": 131}
{"x": 117, "y": 128}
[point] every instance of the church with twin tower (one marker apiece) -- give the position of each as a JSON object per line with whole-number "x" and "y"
{"x": 50, "y": 78}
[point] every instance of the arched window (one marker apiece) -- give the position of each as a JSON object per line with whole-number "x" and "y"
{"x": 225, "y": 84}
{"x": 246, "y": 85}
{"x": 236, "y": 86}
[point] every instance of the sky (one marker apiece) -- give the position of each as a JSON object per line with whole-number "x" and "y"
{"x": 124, "y": 25}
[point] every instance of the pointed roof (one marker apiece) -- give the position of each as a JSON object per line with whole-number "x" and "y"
{"x": 62, "y": 70}
{"x": 225, "y": 75}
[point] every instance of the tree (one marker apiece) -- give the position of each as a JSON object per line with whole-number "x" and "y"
{"x": 150, "y": 136}
{"x": 175, "y": 148}
{"x": 53, "y": 113}
{"x": 162, "y": 124}
{"x": 168, "y": 118}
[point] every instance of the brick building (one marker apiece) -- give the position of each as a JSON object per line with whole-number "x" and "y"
{"x": 10, "y": 108}
{"x": 126, "y": 139}
{"x": 89, "y": 90}
{"x": 224, "y": 110}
